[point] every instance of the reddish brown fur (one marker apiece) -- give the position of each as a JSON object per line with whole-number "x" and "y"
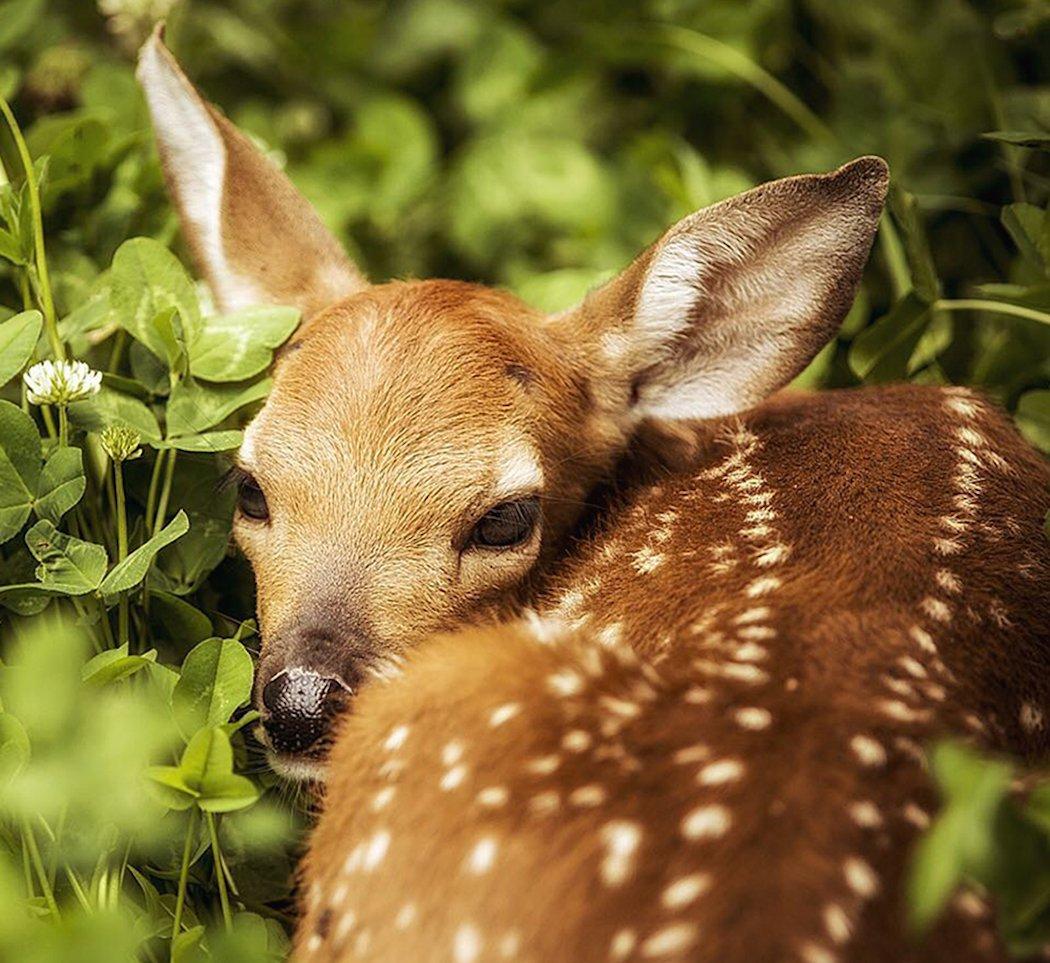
{"x": 862, "y": 559}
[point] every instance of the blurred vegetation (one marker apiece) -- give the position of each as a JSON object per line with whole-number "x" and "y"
{"x": 532, "y": 145}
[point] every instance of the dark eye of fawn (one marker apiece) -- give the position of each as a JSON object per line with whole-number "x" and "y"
{"x": 250, "y": 499}
{"x": 507, "y": 525}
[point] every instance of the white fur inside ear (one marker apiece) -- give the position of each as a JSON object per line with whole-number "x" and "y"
{"x": 195, "y": 161}
{"x": 673, "y": 285}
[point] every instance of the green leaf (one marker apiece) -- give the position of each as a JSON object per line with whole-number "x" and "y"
{"x": 195, "y": 407}
{"x": 68, "y": 565}
{"x": 1020, "y": 138}
{"x": 112, "y": 665}
{"x": 18, "y": 338}
{"x": 881, "y": 353}
{"x": 960, "y": 843}
{"x": 906, "y": 214}
{"x": 1029, "y": 226}
{"x": 111, "y": 407}
{"x": 17, "y": 17}
{"x": 207, "y": 772}
{"x": 147, "y": 281}
{"x": 1033, "y": 418}
{"x": 175, "y": 619}
{"x": 62, "y": 484}
{"x": 128, "y": 573}
{"x": 19, "y": 468}
{"x": 216, "y": 679}
{"x": 209, "y": 441}
{"x": 234, "y": 347}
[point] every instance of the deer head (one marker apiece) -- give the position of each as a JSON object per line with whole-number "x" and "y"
{"x": 428, "y": 445}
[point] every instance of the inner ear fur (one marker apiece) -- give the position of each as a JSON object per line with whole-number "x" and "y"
{"x": 254, "y": 236}
{"x": 735, "y": 300}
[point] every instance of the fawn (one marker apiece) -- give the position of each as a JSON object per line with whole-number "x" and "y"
{"x": 630, "y": 663}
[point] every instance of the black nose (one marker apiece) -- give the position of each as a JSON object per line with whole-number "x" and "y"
{"x": 299, "y": 706}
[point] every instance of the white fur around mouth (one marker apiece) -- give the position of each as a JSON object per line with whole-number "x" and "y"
{"x": 297, "y": 769}
{"x": 292, "y": 768}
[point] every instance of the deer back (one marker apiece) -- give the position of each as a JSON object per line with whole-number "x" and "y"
{"x": 710, "y": 748}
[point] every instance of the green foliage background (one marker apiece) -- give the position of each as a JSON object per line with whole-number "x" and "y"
{"x": 533, "y": 145}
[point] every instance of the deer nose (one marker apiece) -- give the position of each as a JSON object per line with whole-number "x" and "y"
{"x": 300, "y": 705}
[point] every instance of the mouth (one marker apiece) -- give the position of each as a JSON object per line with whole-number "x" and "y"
{"x": 303, "y": 767}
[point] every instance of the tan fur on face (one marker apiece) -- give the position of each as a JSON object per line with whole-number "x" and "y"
{"x": 396, "y": 420}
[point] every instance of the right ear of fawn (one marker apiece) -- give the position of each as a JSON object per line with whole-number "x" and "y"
{"x": 705, "y": 740}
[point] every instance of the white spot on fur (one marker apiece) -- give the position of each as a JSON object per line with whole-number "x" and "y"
{"x": 685, "y": 890}
{"x": 466, "y": 944}
{"x": 868, "y": 750}
{"x": 865, "y": 814}
{"x": 452, "y": 753}
{"x": 376, "y": 850}
{"x": 815, "y": 953}
{"x": 860, "y": 877}
{"x": 504, "y": 713}
{"x": 670, "y": 940}
{"x": 923, "y": 638}
{"x": 720, "y": 772}
{"x": 916, "y": 815}
{"x": 382, "y": 798}
{"x": 543, "y": 765}
{"x": 757, "y": 614}
{"x": 406, "y": 916}
{"x": 577, "y": 740}
{"x": 753, "y": 717}
{"x": 762, "y": 586}
{"x": 482, "y": 857}
{"x": 837, "y": 923}
{"x": 691, "y": 754}
{"x": 611, "y": 635}
{"x": 706, "y": 822}
{"x": 621, "y": 839}
{"x": 453, "y": 778}
{"x": 622, "y": 945}
{"x": 936, "y": 609}
{"x": 396, "y": 739}
{"x": 565, "y": 682}
{"x": 1031, "y": 717}
{"x": 646, "y": 560}
{"x": 492, "y": 797}
{"x": 587, "y": 796}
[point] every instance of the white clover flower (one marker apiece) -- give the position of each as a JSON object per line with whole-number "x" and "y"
{"x": 61, "y": 382}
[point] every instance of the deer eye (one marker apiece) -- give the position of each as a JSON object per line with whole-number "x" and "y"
{"x": 507, "y": 524}
{"x": 251, "y": 502}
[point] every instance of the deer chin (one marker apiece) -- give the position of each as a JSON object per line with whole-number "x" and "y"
{"x": 298, "y": 768}
{"x": 303, "y": 767}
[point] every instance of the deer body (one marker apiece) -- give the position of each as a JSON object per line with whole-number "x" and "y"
{"x": 704, "y": 742}
{"x": 722, "y": 758}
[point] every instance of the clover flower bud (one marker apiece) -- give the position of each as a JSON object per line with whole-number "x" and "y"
{"x": 120, "y": 442}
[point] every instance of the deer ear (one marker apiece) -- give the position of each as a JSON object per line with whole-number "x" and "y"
{"x": 254, "y": 236}
{"x": 736, "y": 299}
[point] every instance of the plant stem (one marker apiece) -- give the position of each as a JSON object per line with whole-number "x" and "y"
{"x": 63, "y": 427}
{"x": 994, "y": 307}
{"x": 184, "y": 872}
{"x": 154, "y": 484}
{"x": 733, "y": 61}
{"x": 46, "y": 303}
{"x": 122, "y": 547}
{"x": 38, "y": 865}
{"x": 220, "y": 877}
{"x": 165, "y": 493}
